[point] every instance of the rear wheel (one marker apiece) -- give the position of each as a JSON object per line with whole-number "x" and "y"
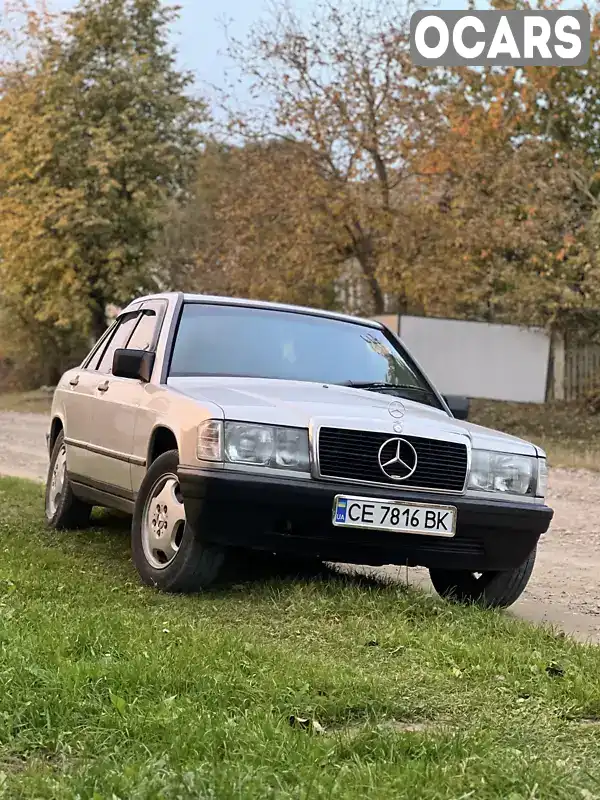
{"x": 63, "y": 509}
{"x": 490, "y": 589}
{"x": 167, "y": 552}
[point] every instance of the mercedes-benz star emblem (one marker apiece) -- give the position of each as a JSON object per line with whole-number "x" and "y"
{"x": 396, "y": 409}
{"x": 397, "y": 459}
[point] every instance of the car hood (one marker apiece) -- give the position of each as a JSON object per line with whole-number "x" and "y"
{"x": 302, "y": 404}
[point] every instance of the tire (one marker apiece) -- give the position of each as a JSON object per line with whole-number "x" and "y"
{"x": 487, "y": 589}
{"x": 63, "y": 510}
{"x": 167, "y": 552}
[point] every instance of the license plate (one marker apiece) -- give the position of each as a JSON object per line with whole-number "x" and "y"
{"x": 393, "y": 515}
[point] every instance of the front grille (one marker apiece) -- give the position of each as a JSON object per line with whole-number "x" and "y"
{"x": 354, "y": 455}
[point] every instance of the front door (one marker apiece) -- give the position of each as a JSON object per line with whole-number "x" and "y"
{"x": 116, "y": 402}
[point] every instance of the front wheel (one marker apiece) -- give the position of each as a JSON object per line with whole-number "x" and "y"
{"x": 167, "y": 552}
{"x": 489, "y": 589}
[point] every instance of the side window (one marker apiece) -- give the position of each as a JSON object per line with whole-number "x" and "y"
{"x": 94, "y": 357}
{"x": 119, "y": 339}
{"x": 143, "y": 335}
{"x": 95, "y": 354}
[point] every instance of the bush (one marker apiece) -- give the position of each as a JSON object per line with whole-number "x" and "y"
{"x": 34, "y": 354}
{"x": 592, "y": 401}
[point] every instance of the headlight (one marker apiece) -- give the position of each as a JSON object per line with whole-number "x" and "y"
{"x": 249, "y": 443}
{"x": 502, "y": 472}
{"x": 267, "y": 446}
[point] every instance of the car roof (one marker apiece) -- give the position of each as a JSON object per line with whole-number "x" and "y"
{"x": 264, "y": 304}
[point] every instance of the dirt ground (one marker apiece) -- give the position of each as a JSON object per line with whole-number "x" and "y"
{"x": 564, "y": 590}
{"x": 23, "y": 445}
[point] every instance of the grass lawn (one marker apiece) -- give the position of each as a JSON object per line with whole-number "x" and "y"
{"x": 567, "y": 431}
{"x": 109, "y": 690}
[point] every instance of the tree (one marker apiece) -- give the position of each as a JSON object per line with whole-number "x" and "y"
{"x": 258, "y": 227}
{"x": 512, "y": 193}
{"x": 460, "y": 192}
{"x": 192, "y": 236}
{"x": 344, "y": 93}
{"x": 504, "y": 231}
{"x": 97, "y": 133}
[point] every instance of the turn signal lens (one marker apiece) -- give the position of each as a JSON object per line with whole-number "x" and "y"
{"x": 210, "y": 440}
{"x": 542, "y": 481}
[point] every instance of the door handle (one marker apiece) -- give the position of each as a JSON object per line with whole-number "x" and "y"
{"x": 74, "y": 381}
{"x": 104, "y": 387}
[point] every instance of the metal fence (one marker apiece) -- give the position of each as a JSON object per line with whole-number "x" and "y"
{"x": 581, "y": 368}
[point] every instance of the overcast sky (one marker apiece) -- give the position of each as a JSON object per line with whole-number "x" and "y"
{"x": 200, "y": 36}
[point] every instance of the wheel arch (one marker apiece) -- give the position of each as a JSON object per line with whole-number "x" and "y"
{"x": 162, "y": 439}
{"x": 56, "y": 426}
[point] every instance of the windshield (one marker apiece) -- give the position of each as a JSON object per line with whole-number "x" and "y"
{"x": 238, "y": 341}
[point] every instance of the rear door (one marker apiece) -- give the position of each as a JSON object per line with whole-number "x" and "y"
{"x": 78, "y": 402}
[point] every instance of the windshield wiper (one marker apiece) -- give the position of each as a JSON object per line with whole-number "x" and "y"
{"x": 383, "y": 385}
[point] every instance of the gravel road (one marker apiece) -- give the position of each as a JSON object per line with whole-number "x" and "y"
{"x": 564, "y": 589}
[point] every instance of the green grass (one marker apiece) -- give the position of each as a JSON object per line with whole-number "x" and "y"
{"x": 568, "y": 432}
{"x": 112, "y": 690}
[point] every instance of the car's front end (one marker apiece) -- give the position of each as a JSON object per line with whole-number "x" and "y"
{"x": 366, "y": 486}
{"x": 319, "y": 436}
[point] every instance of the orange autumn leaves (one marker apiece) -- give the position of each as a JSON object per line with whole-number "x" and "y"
{"x": 459, "y": 193}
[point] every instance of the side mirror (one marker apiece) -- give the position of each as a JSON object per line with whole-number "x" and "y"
{"x": 459, "y": 406}
{"x": 134, "y": 364}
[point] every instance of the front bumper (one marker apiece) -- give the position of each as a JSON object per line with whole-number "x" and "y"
{"x": 294, "y": 516}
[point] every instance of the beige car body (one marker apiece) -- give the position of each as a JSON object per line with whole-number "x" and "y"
{"x": 113, "y": 426}
{"x": 110, "y": 434}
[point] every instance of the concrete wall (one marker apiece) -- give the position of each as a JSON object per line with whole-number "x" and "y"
{"x": 496, "y": 362}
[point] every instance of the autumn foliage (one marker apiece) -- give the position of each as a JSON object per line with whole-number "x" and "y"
{"x": 96, "y": 134}
{"x": 464, "y": 193}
